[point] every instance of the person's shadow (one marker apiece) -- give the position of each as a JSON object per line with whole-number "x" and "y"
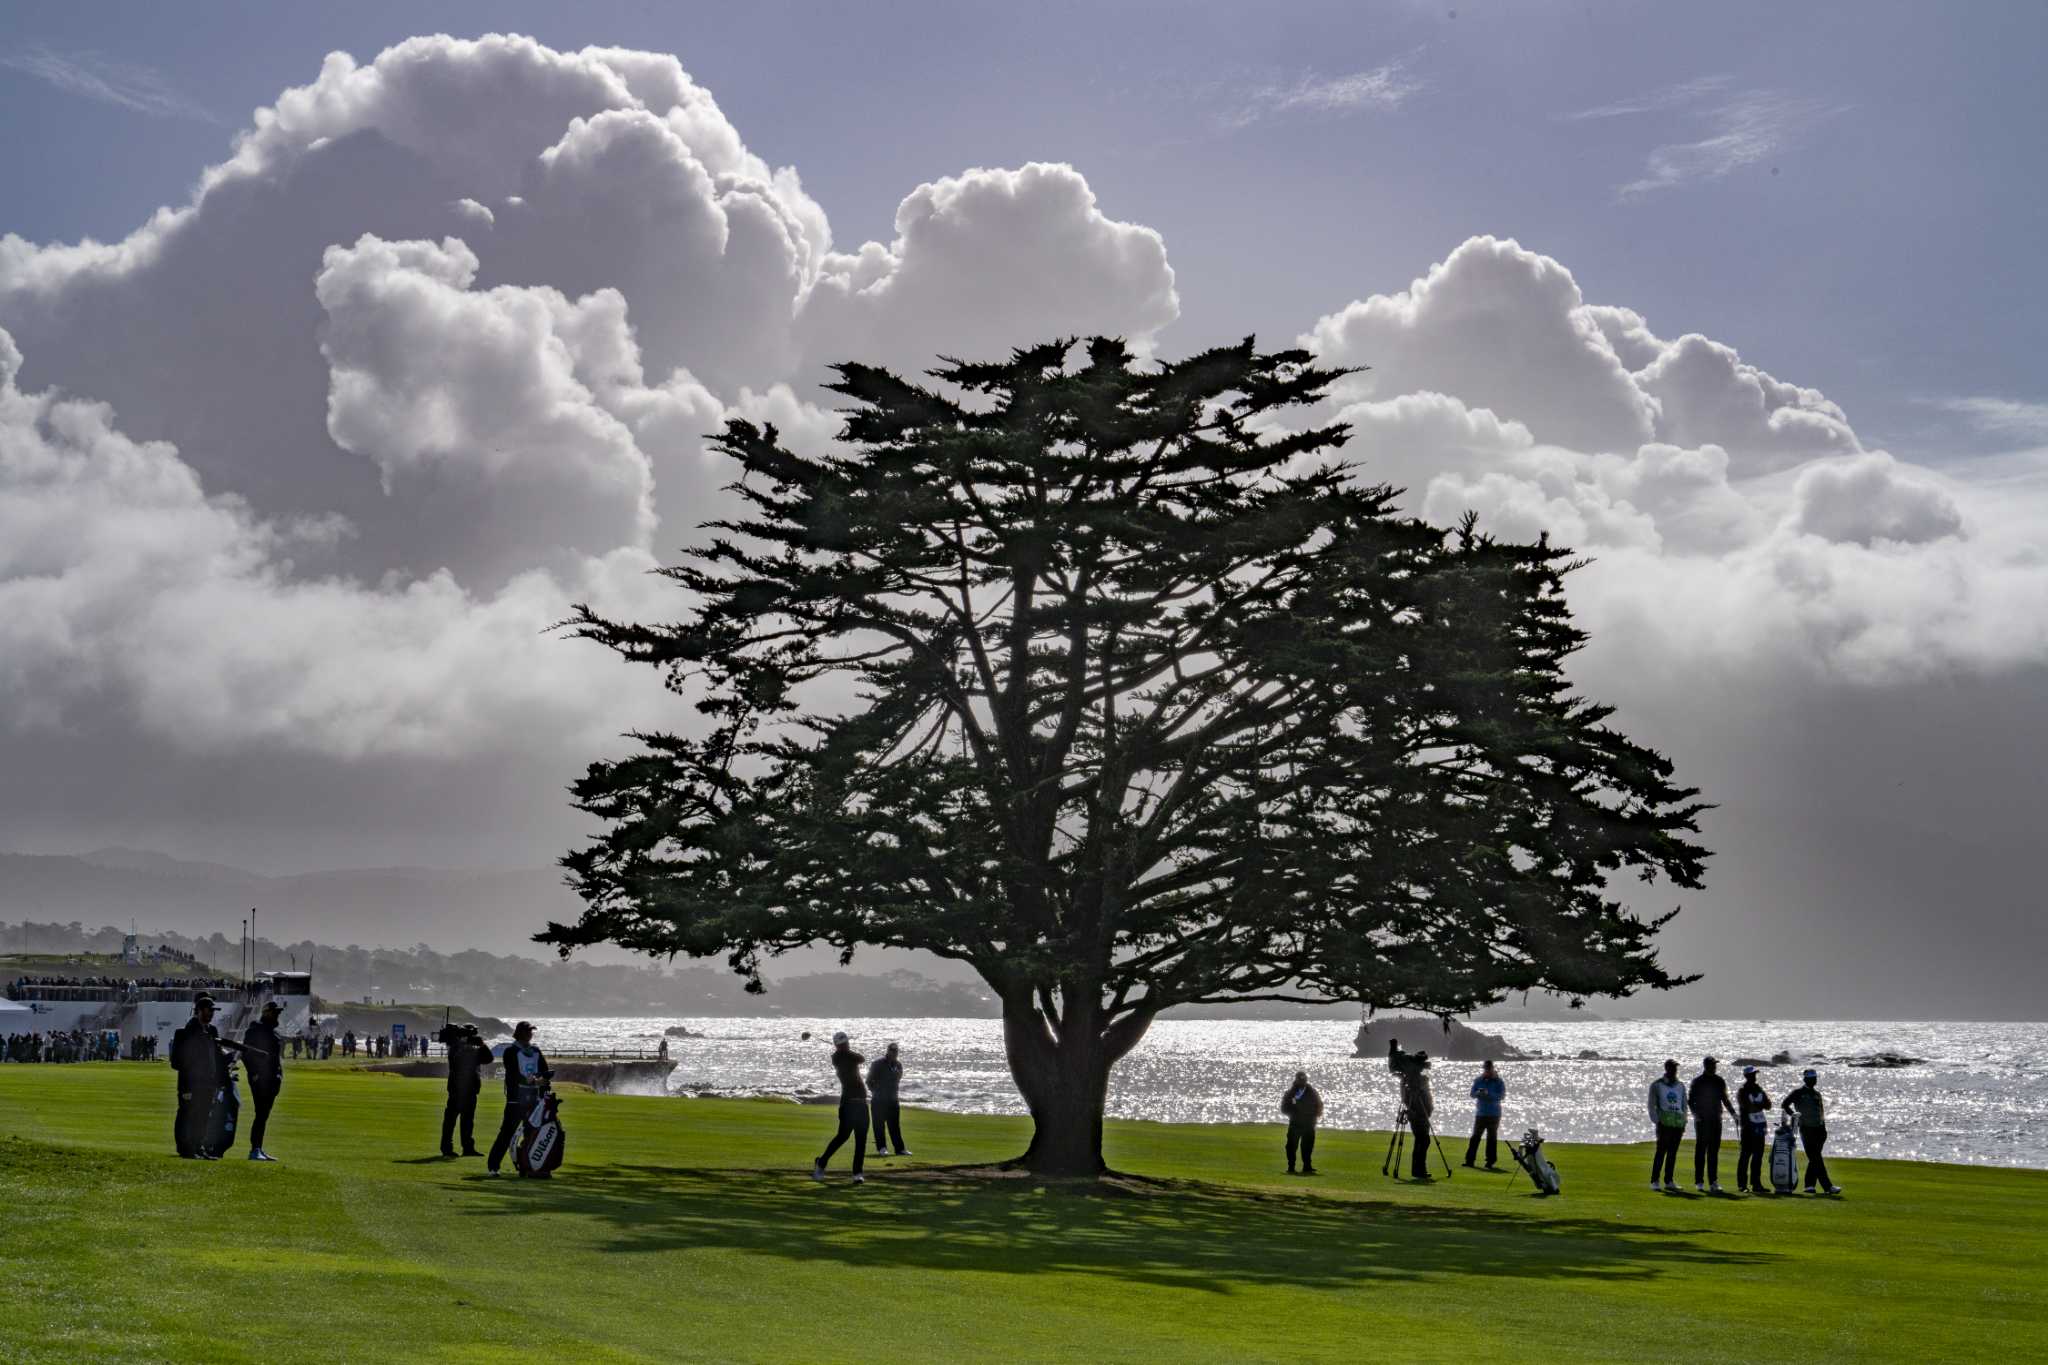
{"x": 1178, "y": 1232}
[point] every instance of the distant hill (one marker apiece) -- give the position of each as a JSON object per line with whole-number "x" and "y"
{"x": 496, "y": 910}
{"x": 445, "y": 908}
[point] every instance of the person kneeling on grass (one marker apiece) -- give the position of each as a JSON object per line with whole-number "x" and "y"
{"x": 1303, "y": 1107}
{"x": 526, "y": 1067}
{"x": 884, "y": 1078}
{"x": 853, "y": 1110}
{"x": 1813, "y": 1131}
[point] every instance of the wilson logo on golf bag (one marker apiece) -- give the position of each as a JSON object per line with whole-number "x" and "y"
{"x": 540, "y": 1138}
{"x": 1785, "y": 1158}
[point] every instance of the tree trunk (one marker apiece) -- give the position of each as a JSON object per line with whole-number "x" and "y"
{"x": 1064, "y": 1079}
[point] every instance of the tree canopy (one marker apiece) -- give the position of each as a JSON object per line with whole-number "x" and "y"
{"x": 1114, "y": 681}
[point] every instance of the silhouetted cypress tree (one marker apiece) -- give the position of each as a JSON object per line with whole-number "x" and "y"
{"x": 1090, "y": 675}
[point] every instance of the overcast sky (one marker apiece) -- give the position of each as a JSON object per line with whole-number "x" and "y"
{"x": 336, "y": 364}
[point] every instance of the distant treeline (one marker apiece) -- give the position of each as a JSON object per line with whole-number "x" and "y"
{"x": 490, "y": 983}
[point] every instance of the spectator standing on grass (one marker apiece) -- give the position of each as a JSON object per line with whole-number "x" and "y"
{"x": 1707, "y": 1097}
{"x": 1667, "y": 1114}
{"x": 1303, "y": 1105}
{"x": 263, "y": 1055}
{"x": 196, "y": 1060}
{"x": 884, "y": 1079}
{"x": 1753, "y": 1118}
{"x": 1488, "y": 1090}
{"x": 853, "y": 1109}
{"x": 1806, "y": 1102}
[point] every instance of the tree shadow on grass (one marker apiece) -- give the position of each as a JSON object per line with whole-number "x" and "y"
{"x": 1177, "y": 1233}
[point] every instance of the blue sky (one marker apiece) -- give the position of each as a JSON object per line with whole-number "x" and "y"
{"x": 1892, "y": 258}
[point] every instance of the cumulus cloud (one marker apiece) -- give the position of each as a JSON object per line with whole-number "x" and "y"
{"x": 950, "y": 281}
{"x": 1734, "y": 519}
{"x": 128, "y": 591}
{"x": 475, "y": 406}
{"x": 1869, "y": 499}
{"x": 433, "y": 353}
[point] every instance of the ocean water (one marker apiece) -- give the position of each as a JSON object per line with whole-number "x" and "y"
{"x": 1980, "y": 1096}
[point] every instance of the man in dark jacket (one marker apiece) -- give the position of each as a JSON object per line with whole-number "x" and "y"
{"x": 1416, "y": 1102}
{"x": 1303, "y": 1107}
{"x": 263, "y": 1055}
{"x": 853, "y": 1110}
{"x": 1813, "y": 1131}
{"x": 196, "y": 1059}
{"x": 1707, "y": 1098}
{"x": 467, "y": 1058}
{"x": 526, "y": 1069}
{"x": 884, "y": 1077}
{"x": 1753, "y": 1118}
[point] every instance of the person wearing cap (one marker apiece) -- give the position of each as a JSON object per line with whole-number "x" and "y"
{"x": 196, "y": 1060}
{"x": 263, "y": 1055}
{"x": 853, "y": 1109}
{"x": 1752, "y": 1118}
{"x": 1707, "y": 1097}
{"x": 884, "y": 1077}
{"x": 526, "y": 1067}
{"x": 467, "y": 1058}
{"x": 1667, "y": 1112}
{"x": 1303, "y": 1106}
{"x": 1813, "y": 1131}
{"x": 1488, "y": 1090}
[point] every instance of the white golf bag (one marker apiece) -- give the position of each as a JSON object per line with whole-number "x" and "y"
{"x": 1529, "y": 1156}
{"x": 1785, "y": 1157}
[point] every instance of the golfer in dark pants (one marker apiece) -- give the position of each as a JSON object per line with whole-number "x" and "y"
{"x": 1488, "y": 1090}
{"x": 1752, "y": 1118}
{"x": 525, "y": 1068}
{"x": 1707, "y": 1097}
{"x": 884, "y": 1078}
{"x": 1303, "y": 1107}
{"x": 1667, "y": 1113}
{"x": 1813, "y": 1132}
{"x": 853, "y": 1110}
{"x": 467, "y": 1057}
{"x": 196, "y": 1059}
{"x": 263, "y": 1055}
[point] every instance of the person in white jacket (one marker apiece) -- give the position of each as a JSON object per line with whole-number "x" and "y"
{"x": 1667, "y": 1113}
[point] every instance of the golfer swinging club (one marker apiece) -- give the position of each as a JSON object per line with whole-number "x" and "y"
{"x": 853, "y": 1109}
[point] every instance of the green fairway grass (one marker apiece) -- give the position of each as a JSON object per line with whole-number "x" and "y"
{"x": 688, "y": 1230}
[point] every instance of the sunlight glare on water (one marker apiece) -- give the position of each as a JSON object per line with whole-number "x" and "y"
{"x": 1978, "y": 1097}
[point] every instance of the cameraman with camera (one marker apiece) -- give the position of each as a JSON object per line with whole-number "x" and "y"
{"x": 1416, "y": 1102}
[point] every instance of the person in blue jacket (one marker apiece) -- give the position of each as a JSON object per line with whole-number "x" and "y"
{"x": 1488, "y": 1090}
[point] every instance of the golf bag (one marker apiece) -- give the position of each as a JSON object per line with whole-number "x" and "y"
{"x": 1529, "y": 1156}
{"x": 540, "y": 1138}
{"x": 1785, "y": 1157}
{"x": 227, "y": 1108}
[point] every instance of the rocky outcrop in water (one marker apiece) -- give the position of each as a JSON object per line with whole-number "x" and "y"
{"x": 1461, "y": 1043}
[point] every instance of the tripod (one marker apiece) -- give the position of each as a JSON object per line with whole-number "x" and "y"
{"x": 1399, "y": 1138}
